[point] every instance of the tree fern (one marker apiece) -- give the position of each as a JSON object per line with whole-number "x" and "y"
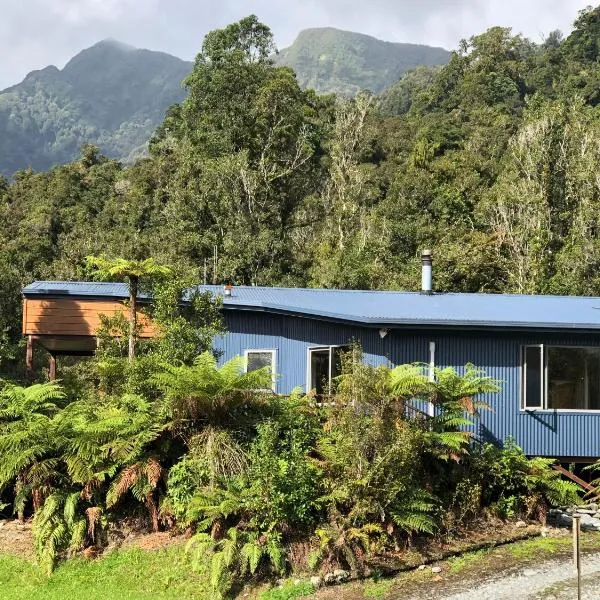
{"x": 58, "y": 527}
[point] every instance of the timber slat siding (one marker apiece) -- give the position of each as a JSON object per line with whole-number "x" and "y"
{"x": 72, "y": 317}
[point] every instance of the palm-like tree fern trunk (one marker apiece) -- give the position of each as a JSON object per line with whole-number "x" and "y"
{"x": 133, "y": 293}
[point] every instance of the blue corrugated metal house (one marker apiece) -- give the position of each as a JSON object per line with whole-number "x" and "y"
{"x": 545, "y": 350}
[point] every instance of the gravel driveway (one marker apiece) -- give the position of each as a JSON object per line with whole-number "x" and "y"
{"x": 554, "y": 580}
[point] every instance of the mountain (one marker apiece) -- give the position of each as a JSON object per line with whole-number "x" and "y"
{"x": 111, "y": 95}
{"x": 343, "y": 62}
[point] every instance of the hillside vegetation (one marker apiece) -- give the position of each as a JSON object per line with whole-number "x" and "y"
{"x": 329, "y": 60}
{"x": 110, "y": 95}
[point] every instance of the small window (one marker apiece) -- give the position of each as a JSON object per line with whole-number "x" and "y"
{"x": 259, "y": 359}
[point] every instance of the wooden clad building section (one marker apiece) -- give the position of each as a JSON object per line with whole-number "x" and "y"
{"x": 73, "y": 317}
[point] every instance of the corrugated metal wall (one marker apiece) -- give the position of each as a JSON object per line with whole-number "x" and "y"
{"x": 544, "y": 433}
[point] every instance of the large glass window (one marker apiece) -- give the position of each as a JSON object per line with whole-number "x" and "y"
{"x": 561, "y": 378}
{"x": 325, "y": 364}
{"x": 573, "y": 378}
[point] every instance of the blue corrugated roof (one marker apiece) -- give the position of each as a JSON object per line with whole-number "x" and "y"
{"x": 380, "y": 308}
{"x": 77, "y": 288}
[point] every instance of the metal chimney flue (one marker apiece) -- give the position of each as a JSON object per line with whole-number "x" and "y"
{"x": 426, "y": 273}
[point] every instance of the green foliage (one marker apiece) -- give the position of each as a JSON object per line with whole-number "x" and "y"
{"x": 342, "y": 62}
{"x": 136, "y": 574}
{"x": 516, "y": 484}
{"x": 58, "y": 527}
{"x": 288, "y": 591}
{"x": 30, "y": 441}
{"x": 236, "y": 555}
{"x": 205, "y": 392}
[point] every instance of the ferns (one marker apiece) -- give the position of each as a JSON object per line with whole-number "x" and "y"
{"x": 238, "y": 554}
{"x": 206, "y": 391}
{"x": 254, "y": 474}
{"x": 57, "y": 528}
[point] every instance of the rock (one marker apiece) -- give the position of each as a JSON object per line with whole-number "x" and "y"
{"x": 436, "y": 569}
{"x": 560, "y": 519}
{"x": 585, "y": 511}
{"x": 588, "y": 523}
{"x": 544, "y": 532}
{"x": 520, "y": 524}
{"x": 421, "y": 568}
{"x": 593, "y": 506}
{"x": 341, "y": 575}
{"x": 316, "y": 581}
{"x": 329, "y": 579}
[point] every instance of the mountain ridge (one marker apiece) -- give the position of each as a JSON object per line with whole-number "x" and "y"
{"x": 114, "y": 95}
{"x": 332, "y": 60}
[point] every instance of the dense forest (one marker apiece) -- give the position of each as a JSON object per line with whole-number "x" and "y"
{"x": 491, "y": 160}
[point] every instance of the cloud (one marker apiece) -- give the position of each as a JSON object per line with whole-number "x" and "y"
{"x": 36, "y": 33}
{"x": 77, "y": 12}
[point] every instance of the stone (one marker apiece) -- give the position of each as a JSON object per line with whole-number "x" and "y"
{"x": 588, "y": 523}
{"x": 316, "y": 581}
{"x": 520, "y": 524}
{"x": 329, "y": 579}
{"x": 544, "y": 531}
{"x": 436, "y": 569}
{"x": 593, "y": 506}
{"x": 421, "y": 568}
{"x": 559, "y": 518}
{"x": 341, "y": 575}
{"x": 585, "y": 511}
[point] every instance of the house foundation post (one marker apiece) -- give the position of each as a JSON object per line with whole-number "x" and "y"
{"x": 29, "y": 358}
{"x": 52, "y": 368}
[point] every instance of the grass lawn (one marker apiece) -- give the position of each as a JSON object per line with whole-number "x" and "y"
{"x": 122, "y": 575}
{"x": 166, "y": 574}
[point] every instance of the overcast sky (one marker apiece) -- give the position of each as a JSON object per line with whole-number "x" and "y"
{"x": 36, "y": 33}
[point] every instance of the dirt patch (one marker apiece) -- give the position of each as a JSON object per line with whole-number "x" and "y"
{"x": 468, "y": 576}
{"x": 154, "y": 541}
{"x": 16, "y": 538}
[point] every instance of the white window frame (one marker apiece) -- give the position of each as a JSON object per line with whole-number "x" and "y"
{"x": 431, "y": 376}
{"x": 523, "y": 386}
{"x": 273, "y": 354}
{"x": 311, "y": 349}
{"x": 543, "y": 407}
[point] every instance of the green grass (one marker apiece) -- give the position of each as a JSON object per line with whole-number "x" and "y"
{"x": 122, "y": 575}
{"x": 456, "y": 564}
{"x": 378, "y": 589}
{"x": 288, "y": 591}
